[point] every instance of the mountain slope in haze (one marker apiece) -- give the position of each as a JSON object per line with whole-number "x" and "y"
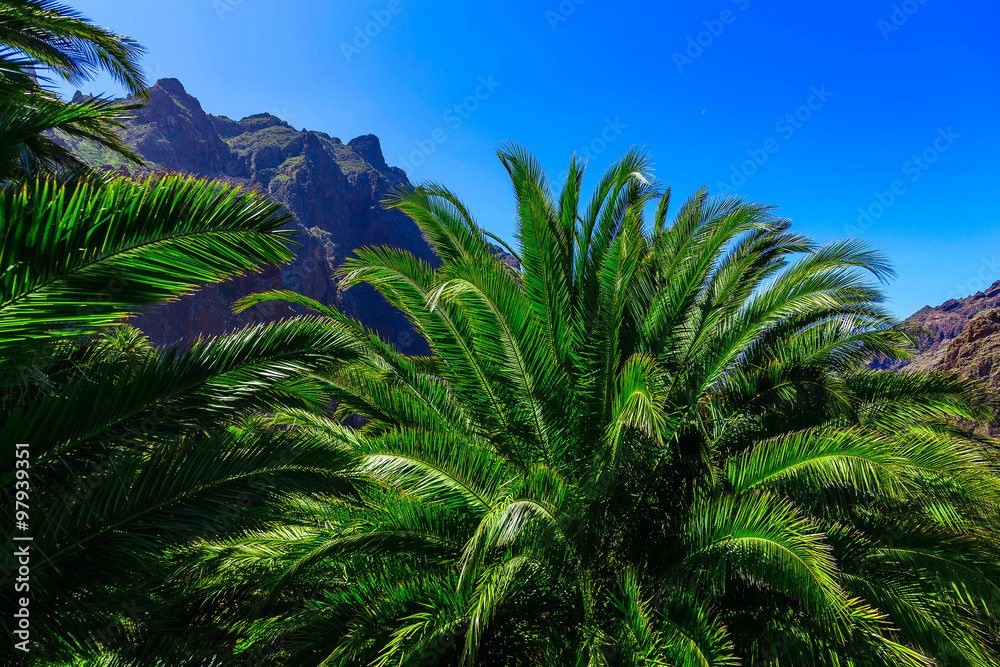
{"x": 333, "y": 189}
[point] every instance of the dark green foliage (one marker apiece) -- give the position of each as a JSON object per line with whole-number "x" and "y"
{"x": 41, "y": 36}
{"x": 640, "y": 449}
{"x": 133, "y": 451}
{"x": 90, "y": 254}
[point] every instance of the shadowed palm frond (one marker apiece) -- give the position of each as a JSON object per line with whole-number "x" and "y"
{"x": 85, "y": 255}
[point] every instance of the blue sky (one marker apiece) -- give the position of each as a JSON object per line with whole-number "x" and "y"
{"x": 820, "y": 109}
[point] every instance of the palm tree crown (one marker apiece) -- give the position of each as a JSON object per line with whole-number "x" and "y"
{"x": 58, "y": 38}
{"x": 38, "y": 37}
{"x": 645, "y": 446}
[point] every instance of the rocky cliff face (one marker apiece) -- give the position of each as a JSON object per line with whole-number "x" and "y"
{"x": 937, "y": 327}
{"x": 333, "y": 189}
{"x": 975, "y": 352}
{"x": 961, "y": 337}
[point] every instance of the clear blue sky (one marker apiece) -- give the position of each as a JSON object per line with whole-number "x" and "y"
{"x": 704, "y": 86}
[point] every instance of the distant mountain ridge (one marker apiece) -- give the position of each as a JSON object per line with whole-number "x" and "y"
{"x": 960, "y": 337}
{"x": 940, "y": 326}
{"x": 333, "y": 189}
{"x": 335, "y": 192}
{"x": 975, "y": 352}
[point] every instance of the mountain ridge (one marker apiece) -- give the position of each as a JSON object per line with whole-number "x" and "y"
{"x": 334, "y": 190}
{"x": 937, "y": 326}
{"x": 959, "y": 337}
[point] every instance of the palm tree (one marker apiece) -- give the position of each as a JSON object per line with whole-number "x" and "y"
{"x": 134, "y": 449}
{"x": 41, "y": 36}
{"x": 643, "y": 447}
{"x": 59, "y": 39}
{"x": 33, "y": 120}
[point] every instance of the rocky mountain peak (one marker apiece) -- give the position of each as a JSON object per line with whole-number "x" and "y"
{"x": 334, "y": 190}
{"x": 171, "y": 132}
{"x": 171, "y": 86}
{"x": 262, "y": 121}
{"x": 369, "y": 147}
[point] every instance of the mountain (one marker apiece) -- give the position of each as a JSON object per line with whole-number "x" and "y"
{"x": 335, "y": 192}
{"x": 975, "y": 352}
{"x": 940, "y": 328}
{"x": 961, "y": 337}
{"x": 333, "y": 189}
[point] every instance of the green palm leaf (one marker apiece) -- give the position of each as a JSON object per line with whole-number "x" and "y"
{"x": 87, "y": 255}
